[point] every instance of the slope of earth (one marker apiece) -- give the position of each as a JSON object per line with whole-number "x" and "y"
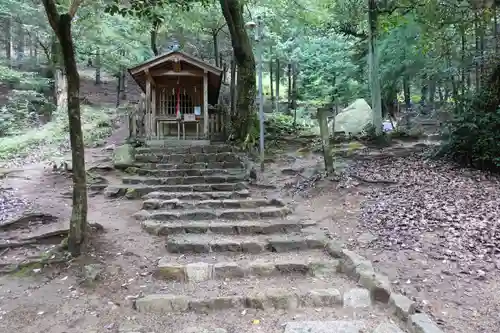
{"x": 432, "y": 227}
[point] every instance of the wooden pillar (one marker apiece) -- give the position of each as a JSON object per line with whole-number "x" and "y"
{"x": 153, "y": 113}
{"x": 148, "y": 109}
{"x": 322, "y": 115}
{"x": 205, "y": 105}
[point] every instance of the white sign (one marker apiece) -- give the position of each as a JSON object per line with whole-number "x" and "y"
{"x": 197, "y": 110}
{"x": 189, "y": 117}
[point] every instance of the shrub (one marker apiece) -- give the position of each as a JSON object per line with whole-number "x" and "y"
{"x": 474, "y": 138}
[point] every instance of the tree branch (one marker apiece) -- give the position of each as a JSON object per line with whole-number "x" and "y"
{"x": 74, "y": 7}
{"x": 52, "y": 14}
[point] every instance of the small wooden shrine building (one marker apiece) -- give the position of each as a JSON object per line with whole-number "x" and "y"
{"x": 179, "y": 90}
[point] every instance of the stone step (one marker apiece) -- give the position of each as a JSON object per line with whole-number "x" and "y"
{"x": 341, "y": 326}
{"x": 159, "y": 228}
{"x": 309, "y": 293}
{"x": 139, "y": 190}
{"x": 212, "y": 214}
{"x": 186, "y": 172}
{"x": 185, "y": 150}
{"x": 154, "y": 204}
{"x": 189, "y": 180}
{"x": 197, "y": 195}
{"x": 206, "y": 243}
{"x": 190, "y": 166}
{"x": 188, "y": 158}
{"x": 308, "y": 263}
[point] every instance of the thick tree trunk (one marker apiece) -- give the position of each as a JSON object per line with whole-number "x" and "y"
{"x": 232, "y": 88}
{"x": 78, "y": 222}
{"x": 243, "y": 53}
{"x": 61, "y": 24}
{"x": 153, "y": 36}
{"x": 373, "y": 67}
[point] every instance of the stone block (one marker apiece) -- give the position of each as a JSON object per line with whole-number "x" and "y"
{"x": 183, "y": 246}
{"x": 262, "y": 269}
{"x": 253, "y": 246}
{"x": 285, "y": 244}
{"x": 324, "y": 269}
{"x": 292, "y": 267}
{"x": 170, "y": 271}
{"x": 353, "y": 263}
{"x": 162, "y": 304}
{"x": 199, "y": 271}
{"x": 282, "y": 300}
{"x": 402, "y": 306}
{"x": 378, "y": 285}
{"x": 387, "y": 327}
{"x": 152, "y": 227}
{"x": 224, "y": 270}
{"x": 337, "y": 326}
{"x": 316, "y": 241}
{"x": 357, "y": 298}
{"x": 322, "y": 298}
{"x": 226, "y": 245}
{"x": 234, "y": 214}
{"x": 422, "y": 323}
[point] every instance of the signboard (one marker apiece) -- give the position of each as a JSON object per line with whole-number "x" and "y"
{"x": 189, "y": 117}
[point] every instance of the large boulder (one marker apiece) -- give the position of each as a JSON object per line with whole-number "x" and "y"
{"x": 123, "y": 157}
{"x": 354, "y": 118}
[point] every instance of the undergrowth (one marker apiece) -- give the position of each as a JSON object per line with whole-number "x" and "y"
{"x": 53, "y": 137}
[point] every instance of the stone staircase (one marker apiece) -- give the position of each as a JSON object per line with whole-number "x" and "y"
{"x": 228, "y": 251}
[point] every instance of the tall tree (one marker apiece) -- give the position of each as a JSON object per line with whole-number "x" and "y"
{"x": 243, "y": 54}
{"x": 61, "y": 24}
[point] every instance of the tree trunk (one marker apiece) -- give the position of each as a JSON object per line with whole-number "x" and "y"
{"x": 294, "y": 92}
{"x": 373, "y": 67}
{"x": 243, "y": 53}
{"x": 8, "y": 39}
{"x": 232, "y": 88}
{"x": 271, "y": 81}
{"x": 20, "y": 42}
{"x": 61, "y": 24}
{"x": 216, "y": 48}
{"x": 406, "y": 91}
{"x": 124, "y": 84}
{"x": 153, "y": 36}
{"x": 98, "y": 67}
{"x": 278, "y": 79}
{"x": 118, "y": 88}
{"x": 289, "y": 92}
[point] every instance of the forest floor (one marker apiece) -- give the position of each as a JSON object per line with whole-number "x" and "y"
{"x": 431, "y": 227}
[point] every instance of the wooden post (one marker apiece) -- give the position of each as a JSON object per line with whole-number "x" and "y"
{"x": 322, "y": 116}
{"x": 153, "y": 112}
{"x": 148, "y": 109}
{"x": 205, "y": 105}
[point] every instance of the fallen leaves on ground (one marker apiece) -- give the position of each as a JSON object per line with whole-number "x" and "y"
{"x": 450, "y": 212}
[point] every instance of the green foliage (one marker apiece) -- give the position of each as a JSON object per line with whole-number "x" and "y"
{"x": 474, "y": 139}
